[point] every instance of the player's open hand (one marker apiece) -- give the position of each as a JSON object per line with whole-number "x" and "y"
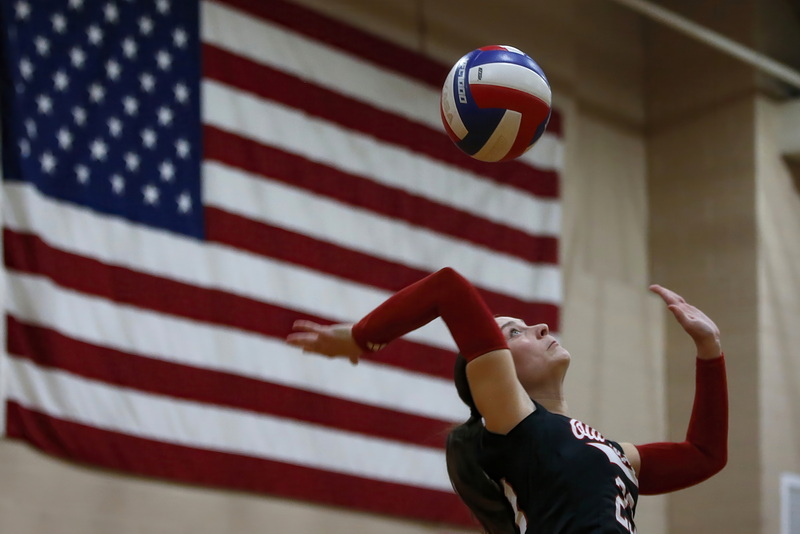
{"x": 329, "y": 340}
{"x": 697, "y": 324}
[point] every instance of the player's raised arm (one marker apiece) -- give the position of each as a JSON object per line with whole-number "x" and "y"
{"x": 497, "y": 392}
{"x": 665, "y": 467}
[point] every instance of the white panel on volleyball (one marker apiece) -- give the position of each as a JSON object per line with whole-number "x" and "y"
{"x": 512, "y": 76}
{"x": 448, "y": 105}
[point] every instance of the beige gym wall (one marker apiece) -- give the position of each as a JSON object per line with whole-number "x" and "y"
{"x": 701, "y": 177}
{"x": 724, "y": 223}
{"x": 778, "y": 208}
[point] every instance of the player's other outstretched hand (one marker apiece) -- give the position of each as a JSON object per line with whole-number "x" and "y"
{"x": 697, "y": 324}
{"x": 329, "y": 340}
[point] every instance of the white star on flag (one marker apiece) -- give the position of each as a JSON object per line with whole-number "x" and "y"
{"x": 113, "y": 70}
{"x": 132, "y": 161}
{"x": 148, "y": 82}
{"x": 79, "y": 115}
{"x": 151, "y": 194}
{"x": 42, "y": 46}
{"x": 181, "y": 93}
{"x": 22, "y": 9}
{"x": 167, "y": 171}
{"x": 60, "y": 81}
{"x": 179, "y": 37}
{"x": 59, "y": 23}
{"x": 149, "y": 138}
{"x": 30, "y": 127}
{"x": 77, "y": 57}
{"x": 118, "y": 184}
{"x": 64, "y": 139}
{"x": 131, "y": 105}
{"x": 111, "y": 12}
{"x": 129, "y": 47}
{"x": 96, "y": 93}
{"x": 164, "y": 116}
{"x": 99, "y": 149}
{"x": 184, "y": 203}
{"x": 146, "y": 26}
{"x": 26, "y": 68}
{"x": 95, "y": 35}
{"x": 44, "y": 104}
{"x": 48, "y": 162}
{"x": 182, "y": 148}
{"x": 164, "y": 60}
{"x": 82, "y": 173}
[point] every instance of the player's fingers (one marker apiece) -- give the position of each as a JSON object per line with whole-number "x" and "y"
{"x": 676, "y": 310}
{"x": 669, "y": 296}
{"x": 303, "y": 339}
{"x": 676, "y": 297}
{"x": 661, "y": 292}
{"x": 303, "y": 325}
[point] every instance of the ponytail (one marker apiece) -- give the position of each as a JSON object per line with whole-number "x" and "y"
{"x": 480, "y": 493}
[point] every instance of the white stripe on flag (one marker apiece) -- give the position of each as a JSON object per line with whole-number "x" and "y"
{"x": 166, "y": 337}
{"x": 547, "y": 153}
{"x": 324, "y": 142}
{"x": 204, "y": 426}
{"x": 375, "y": 235}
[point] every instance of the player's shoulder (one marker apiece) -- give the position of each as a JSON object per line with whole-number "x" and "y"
{"x": 536, "y": 425}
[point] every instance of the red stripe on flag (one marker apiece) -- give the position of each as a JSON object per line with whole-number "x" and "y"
{"x": 293, "y": 170}
{"x": 49, "y": 348}
{"x": 27, "y": 253}
{"x": 315, "y": 100}
{"x": 150, "y": 458}
{"x": 267, "y": 240}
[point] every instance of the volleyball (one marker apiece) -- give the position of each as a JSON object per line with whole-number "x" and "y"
{"x": 495, "y": 103}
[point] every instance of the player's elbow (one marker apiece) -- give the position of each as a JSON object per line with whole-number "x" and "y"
{"x": 451, "y": 278}
{"x": 448, "y": 273}
{"x": 719, "y": 462}
{"x": 715, "y": 461}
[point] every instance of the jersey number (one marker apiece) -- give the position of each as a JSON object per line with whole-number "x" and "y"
{"x": 624, "y": 502}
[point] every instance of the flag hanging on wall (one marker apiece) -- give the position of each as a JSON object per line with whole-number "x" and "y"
{"x": 183, "y": 180}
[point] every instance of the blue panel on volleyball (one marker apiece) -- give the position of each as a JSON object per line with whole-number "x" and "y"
{"x": 483, "y": 122}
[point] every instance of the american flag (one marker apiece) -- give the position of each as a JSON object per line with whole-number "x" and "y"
{"x": 182, "y": 181}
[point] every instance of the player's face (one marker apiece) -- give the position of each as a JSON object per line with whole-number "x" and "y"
{"x": 539, "y": 359}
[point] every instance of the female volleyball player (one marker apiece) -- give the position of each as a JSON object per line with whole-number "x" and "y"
{"x": 520, "y": 462}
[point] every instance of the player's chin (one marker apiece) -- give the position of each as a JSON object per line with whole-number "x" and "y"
{"x": 556, "y": 349}
{"x": 562, "y": 354}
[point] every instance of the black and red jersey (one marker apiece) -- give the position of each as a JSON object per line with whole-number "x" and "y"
{"x": 561, "y": 476}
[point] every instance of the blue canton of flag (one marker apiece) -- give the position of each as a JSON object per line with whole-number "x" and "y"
{"x": 103, "y": 106}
